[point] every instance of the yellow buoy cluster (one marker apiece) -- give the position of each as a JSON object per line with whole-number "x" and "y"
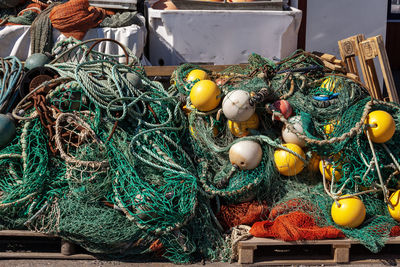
{"x": 242, "y": 120}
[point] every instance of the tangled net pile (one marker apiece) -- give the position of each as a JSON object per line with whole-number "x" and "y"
{"x": 108, "y": 159}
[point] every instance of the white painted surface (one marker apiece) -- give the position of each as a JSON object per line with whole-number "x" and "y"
{"x": 15, "y": 40}
{"x": 331, "y": 20}
{"x": 220, "y": 36}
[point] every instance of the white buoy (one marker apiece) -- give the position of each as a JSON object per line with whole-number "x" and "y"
{"x": 290, "y": 137}
{"x": 236, "y": 106}
{"x": 245, "y": 154}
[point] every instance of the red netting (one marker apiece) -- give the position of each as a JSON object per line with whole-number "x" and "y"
{"x": 291, "y": 205}
{"x": 395, "y": 231}
{"x": 294, "y": 226}
{"x": 243, "y": 213}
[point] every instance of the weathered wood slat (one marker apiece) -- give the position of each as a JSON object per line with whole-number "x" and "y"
{"x": 165, "y": 71}
{"x": 340, "y": 250}
{"x": 22, "y": 233}
{"x": 44, "y": 255}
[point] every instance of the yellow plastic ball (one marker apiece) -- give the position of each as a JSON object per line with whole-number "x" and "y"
{"x": 197, "y": 74}
{"x": 329, "y": 128}
{"x": 205, "y": 95}
{"x": 287, "y": 163}
{"x": 313, "y": 163}
{"x": 331, "y": 84}
{"x": 241, "y": 129}
{"x": 350, "y": 213}
{"x": 329, "y": 169}
{"x": 383, "y": 126}
{"x": 395, "y": 201}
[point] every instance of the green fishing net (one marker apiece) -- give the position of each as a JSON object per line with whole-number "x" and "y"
{"x": 108, "y": 159}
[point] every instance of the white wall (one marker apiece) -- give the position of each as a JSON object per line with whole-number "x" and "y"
{"x": 331, "y": 20}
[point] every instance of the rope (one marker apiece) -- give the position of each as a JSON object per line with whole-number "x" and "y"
{"x": 42, "y": 31}
{"x": 10, "y": 75}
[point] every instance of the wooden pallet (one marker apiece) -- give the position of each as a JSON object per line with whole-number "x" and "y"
{"x": 67, "y": 250}
{"x": 340, "y": 250}
{"x": 366, "y": 50}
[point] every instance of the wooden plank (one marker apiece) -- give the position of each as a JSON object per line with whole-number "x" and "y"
{"x": 340, "y": 250}
{"x": 293, "y": 262}
{"x": 339, "y": 62}
{"x": 332, "y": 66}
{"x": 341, "y": 253}
{"x": 368, "y": 68}
{"x": 39, "y": 255}
{"x": 349, "y": 50}
{"x": 166, "y": 71}
{"x": 246, "y": 254}
{"x": 257, "y": 241}
{"x": 328, "y": 57}
{"x": 22, "y": 233}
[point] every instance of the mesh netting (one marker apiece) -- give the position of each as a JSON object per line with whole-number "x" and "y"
{"x": 107, "y": 158}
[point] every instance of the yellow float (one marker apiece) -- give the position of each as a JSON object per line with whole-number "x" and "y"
{"x": 205, "y": 95}
{"x": 241, "y": 129}
{"x": 381, "y": 126}
{"x": 313, "y": 163}
{"x": 328, "y": 170}
{"x": 287, "y": 163}
{"x": 350, "y": 212}
{"x": 331, "y": 84}
{"x": 394, "y": 200}
{"x": 197, "y": 74}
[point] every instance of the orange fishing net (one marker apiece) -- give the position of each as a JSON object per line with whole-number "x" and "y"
{"x": 243, "y": 213}
{"x": 75, "y": 17}
{"x": 294, "y": 226}
{"x": 289, "y": 206}
{"x": 35, "y": 7}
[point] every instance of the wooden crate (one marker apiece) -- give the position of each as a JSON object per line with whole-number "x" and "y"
{"x": 340, "y": 252}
